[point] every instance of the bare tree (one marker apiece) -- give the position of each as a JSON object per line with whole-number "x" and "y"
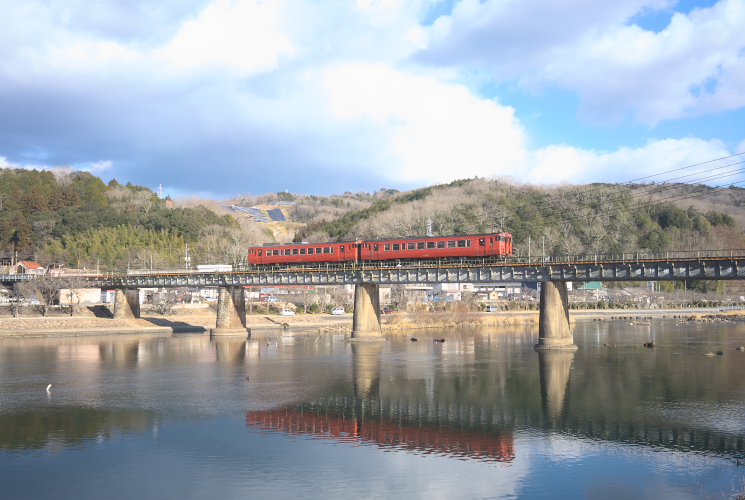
{"x": 71, "y": 290}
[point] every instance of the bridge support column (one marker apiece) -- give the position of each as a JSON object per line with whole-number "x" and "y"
{"x": 366, "y": 318}
{"x": 127, "y": 303}
{"x": 231, "y": 312}
{"x": 553, "y": 328}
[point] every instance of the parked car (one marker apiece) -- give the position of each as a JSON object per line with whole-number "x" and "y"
{"x": 287, "y": 312}
{"x": 386, "y": 310}
{"x": 337, "y": 310}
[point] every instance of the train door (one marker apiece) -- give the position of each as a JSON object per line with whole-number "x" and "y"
{"x": 487, "y": 245}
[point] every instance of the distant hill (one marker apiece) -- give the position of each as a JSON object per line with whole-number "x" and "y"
{"x": 73, "y": 218}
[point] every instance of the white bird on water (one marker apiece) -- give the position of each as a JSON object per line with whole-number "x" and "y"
{"x": 49, "y": 387}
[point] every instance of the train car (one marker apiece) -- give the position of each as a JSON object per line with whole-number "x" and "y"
{"x": 423, "y": 247}
{"x": 299, "y": 253}
{"x": 437, "y": 247}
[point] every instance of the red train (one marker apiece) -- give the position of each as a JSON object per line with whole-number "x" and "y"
{"x": 423, "y": 247}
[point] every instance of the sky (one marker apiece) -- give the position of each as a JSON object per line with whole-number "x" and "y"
{"x": 217, "y": 98}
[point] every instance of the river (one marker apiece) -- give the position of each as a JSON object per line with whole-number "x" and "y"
{"x": 297, "y": 415}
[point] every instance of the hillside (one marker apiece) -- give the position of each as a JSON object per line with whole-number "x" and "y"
{"x": 74, "y": 219}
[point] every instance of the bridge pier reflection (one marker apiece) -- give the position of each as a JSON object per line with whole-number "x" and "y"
{"x": 366, "y": 368}
{"x": 554, "y": 369}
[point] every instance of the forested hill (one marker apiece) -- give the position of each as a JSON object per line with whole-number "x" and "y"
{"x": 72, "y": 218}
{"x": 597, "y": 218}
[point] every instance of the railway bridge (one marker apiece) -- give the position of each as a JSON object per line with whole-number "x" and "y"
{"x": 553, "y": 273}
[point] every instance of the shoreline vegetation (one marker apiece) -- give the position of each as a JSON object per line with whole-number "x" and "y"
{"x": 92, "y": 321}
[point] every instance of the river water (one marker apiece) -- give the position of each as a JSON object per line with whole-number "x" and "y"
{"x": 296, "y": 415}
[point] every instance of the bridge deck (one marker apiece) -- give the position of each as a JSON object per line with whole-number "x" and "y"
{"x": 671, "y": 266}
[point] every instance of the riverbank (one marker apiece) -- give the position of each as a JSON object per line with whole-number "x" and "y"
{"x": 202, "y": 320}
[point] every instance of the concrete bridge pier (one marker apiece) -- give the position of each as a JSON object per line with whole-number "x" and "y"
{"x": 553, "y": 328}
{"x": 366, "y": 318}
{"x": 231, "y": 312}
{"x": 127, "y": 303}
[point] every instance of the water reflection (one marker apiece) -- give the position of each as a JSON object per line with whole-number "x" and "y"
{"x": 334, "y": 422}
{"x": 554, "y": 368}
{"x": 474, "y": 396}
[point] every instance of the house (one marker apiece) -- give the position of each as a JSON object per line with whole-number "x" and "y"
{"x": 28, "y": 267}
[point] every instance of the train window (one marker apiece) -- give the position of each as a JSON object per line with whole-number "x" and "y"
{"x": 451, "y": 244}
{"x": 302, "y": 251}
{"x": 461, "y": 243}
{"x": 294, "y": 251}
{"x": 421, "y": 245}
{"x": 332, "y": 250}
{"x": 468, "y": 243}
{"x": 259, "y": 253}
{"x": 412, "y": 246}
{"x": 341, "y": 248}
{"x": 440, "y": 244}
{"x": 326, "y": 249}
{"x": 396, "y": 246}
{"x": 387, "y": 247}
{"x": 275, "y": 252}
{"x": 482, "y": 242}
{"x": 310, "y": 251}
{"x": 319, "y": 250}
{"x": 375, "y": 247}
{"x": 430, "y": 244}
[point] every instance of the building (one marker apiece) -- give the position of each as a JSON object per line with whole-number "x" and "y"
{"x": 28, "y": 267}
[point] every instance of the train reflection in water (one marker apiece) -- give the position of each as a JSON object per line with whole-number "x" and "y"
{"x": 319, "y": 421}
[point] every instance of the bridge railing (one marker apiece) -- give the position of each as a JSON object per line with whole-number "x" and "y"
{"x": 486, "y": 261}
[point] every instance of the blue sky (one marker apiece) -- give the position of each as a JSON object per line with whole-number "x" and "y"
{"x": 222, "y": 97}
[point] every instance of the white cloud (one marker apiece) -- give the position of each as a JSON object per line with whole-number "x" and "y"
{"x": 100, "y": 167}
{"x": 437, "y": 131}
{"x": 4, "y": 163}
{"x": 693, "y": 66}
{"x": 565, "y": 163}
{"x": 244, "y": 35}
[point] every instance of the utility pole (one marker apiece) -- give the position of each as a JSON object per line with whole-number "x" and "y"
{"x": 544, "y": 247}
